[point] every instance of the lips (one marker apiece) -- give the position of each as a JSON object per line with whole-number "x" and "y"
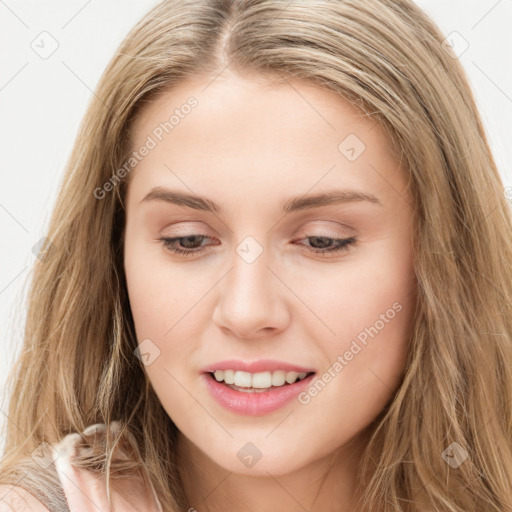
{"x": 253, "y": 401}
{"x": 256, "y": 403}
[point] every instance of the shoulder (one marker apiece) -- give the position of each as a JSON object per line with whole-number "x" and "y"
{"x": 17, "y": 499}
{"x": 66, "y": 477}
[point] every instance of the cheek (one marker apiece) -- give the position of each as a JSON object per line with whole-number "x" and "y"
{"x": 351, "y": 295}
{"x": 159, "y": 304}
{"x": 146, "y": 302}
{"x": 370, "y": 311}
{"x": 368, "y": 306}
{"x": 158, "y": 292}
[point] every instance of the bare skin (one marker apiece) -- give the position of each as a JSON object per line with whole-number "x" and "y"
{"x": 249, "y": 148}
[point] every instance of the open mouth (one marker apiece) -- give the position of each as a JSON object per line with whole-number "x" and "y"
{"x": 259, "y": 382}
{"x": 256, "y": 394}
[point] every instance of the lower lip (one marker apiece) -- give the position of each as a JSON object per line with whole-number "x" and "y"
{"x": 254, "y": 404}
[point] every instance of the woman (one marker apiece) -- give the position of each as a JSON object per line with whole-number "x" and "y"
{"x": 277, "y": 277}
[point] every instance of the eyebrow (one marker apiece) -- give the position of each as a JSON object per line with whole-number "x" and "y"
{"x": 293, "y": 204}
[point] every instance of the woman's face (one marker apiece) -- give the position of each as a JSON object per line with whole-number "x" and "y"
{"x": 273, "y": 175}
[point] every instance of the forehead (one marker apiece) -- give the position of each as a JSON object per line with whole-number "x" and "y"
{"x": 291, "y": 135}
{"x": 249, "y": 106}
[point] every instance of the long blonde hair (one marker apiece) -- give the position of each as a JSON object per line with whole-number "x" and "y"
{"x": 77, "y": 365}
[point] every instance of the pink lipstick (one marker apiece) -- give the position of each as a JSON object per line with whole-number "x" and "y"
{"x": 255, "y": 388}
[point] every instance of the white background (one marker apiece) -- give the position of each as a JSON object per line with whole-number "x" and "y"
{"x": 42, "y": 102}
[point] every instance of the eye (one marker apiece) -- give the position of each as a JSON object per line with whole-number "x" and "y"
{"x": 340, "y": 244}
{"x": 192, "y": 244}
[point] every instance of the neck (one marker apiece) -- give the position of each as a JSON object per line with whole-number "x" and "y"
{"x": 327, "y": 484}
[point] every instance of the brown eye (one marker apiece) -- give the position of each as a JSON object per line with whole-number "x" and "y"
{"x": 325, "y": 244}
{"x": 189, "y": 244}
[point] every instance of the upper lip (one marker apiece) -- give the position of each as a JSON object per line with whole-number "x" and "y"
{"x": 260, "y": 365}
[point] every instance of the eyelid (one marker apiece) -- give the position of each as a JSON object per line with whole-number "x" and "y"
{"x": 339, "y": 231}
{"x": 186, "y": 227}
{"x": 323, "y": 223}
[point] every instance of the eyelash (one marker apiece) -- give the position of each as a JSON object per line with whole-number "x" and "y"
{"x": 343, "y": 244}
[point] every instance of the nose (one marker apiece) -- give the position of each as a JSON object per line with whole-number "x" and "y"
{"x": 252, "y": 300}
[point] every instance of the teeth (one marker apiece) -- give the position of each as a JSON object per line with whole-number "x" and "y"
{"x": 278, "y": 378}
{"x": 260, "y": 380}
{"x": 229, "y": 376}
{"x": 291, "y": 377}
